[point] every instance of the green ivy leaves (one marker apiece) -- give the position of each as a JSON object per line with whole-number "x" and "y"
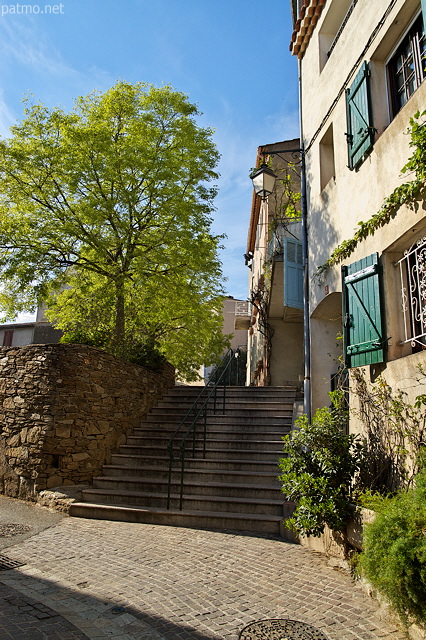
{"x": 407, "y": 194}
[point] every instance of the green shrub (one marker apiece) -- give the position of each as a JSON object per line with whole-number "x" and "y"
{"x": 145, "y": 354}
{"x": 394, "y": 555}
{"x": 319, "y": 469}
{"x": 95, "y": 338}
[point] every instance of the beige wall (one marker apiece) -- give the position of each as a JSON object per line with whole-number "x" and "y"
{"x": 287, "y": 352}
{"x": 335, "y": 208}
{"x": 239, "y": 338}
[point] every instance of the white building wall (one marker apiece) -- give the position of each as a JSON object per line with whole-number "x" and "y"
{"x": 348, "y": 197}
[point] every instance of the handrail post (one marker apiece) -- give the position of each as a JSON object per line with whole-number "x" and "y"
{"x": 169, "y": 488}
{"x": 205, "y": 434}
{"x": 193, "y": 441}
{"x": 182, "y": 469}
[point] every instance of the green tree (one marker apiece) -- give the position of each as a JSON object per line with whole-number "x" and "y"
{"x": 105, "y": 215}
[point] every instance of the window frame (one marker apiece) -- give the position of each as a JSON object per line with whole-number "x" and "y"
{"x": 390, "y": 64}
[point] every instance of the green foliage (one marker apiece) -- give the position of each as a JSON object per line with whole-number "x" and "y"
{"x": 145, "y": 354}
{"x": 407, "y": 194}
{"x": 319, "y": 469}
{"x": 105, "y": 215}
{"x": 370, "y": 499}
{"x": 91, "y": 338}
{"x": 394, "y": 555}
{"x": 231, "y": 371}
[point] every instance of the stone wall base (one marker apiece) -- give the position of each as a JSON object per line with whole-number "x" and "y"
{"x": 64, "y": 409}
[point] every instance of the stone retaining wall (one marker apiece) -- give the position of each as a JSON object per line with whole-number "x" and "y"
{"x": 64, "y": 409}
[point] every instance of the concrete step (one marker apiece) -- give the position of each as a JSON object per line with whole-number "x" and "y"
{"x": 231, "y": 489}
{"x": 266, "y": 403}
{"x": 237, "y": 448}
{"x": 230, "y": 407}
{"x": 234, "y": 486}
{"x": 192, "y": 519}
{"x": 193, "y": 474}
{"x": 194, "y": 390}
{"x": 191, "y": 502}
{"x": 228, "y": 436}
{"x": 158, "y": 435}
{"x": 237, "y": 419}
{"x": 215, "y": 423}
{"x": 207, "y": 463}
{"x": 241, "y": 449}
{"x": 214, "y": 452}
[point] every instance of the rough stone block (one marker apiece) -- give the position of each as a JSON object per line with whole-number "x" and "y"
{"x": 54, "y": 481}
{"x": 74, "y": 401}
{"x": 79, "y": 457}
{"x": 63, "y": 432}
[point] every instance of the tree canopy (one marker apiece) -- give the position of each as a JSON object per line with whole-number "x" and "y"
{"x": 105, "y": 216}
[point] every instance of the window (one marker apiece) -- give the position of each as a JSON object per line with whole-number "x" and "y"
{"x": 327, "y": 169}
{"x": 363, "y": 332}
{"x": 412, "y": 268}
{"x": 406, "y": 68}
{"x": 335, "y": 21}
{"x": 360, "y": 134}
{"x": 8, "y": 338}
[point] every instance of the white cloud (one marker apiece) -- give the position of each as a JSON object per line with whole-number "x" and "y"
{"x": 25, "y": 317}
{"x": 7, "y": 117}
{"x": 24, "y": 42}
{"x": 26, "y": 47}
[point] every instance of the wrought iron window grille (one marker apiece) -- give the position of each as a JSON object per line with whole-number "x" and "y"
{"x": 412, "y": 269}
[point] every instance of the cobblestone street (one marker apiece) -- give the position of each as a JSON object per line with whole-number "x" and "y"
{"x": 125, "y": 581}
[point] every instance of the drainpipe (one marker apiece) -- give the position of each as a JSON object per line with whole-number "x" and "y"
{"x": 306, "y": 315}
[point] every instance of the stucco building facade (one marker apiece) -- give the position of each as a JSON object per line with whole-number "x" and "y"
{"x": 362, "y": 70}
{"x": 274, "y": 258}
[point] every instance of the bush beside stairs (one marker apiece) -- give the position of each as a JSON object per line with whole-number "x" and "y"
{"x": 234, "y": 487}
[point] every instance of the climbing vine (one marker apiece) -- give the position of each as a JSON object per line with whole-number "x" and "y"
{"x": 259, "y": 299}
{"x": 407, "y": 194}
{"x": 394, "y": 432}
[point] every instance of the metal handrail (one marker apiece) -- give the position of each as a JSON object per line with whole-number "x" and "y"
{"x": 209, "y": 391}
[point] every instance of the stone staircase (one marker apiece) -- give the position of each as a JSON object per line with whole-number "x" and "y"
{"x": 234, "y": 487}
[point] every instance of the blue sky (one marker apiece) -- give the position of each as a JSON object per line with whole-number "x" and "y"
{"x": 230, "y": 56}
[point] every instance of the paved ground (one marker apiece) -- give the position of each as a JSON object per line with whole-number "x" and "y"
{"x": 98, "y": 579}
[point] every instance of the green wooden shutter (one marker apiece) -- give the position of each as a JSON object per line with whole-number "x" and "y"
{"x": 362, "y": 316}
{"x": 293, "y": 273}
{"x": 360, "y": 135}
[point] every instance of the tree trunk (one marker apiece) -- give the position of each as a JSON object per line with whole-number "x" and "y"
{"x": 119, "y": 314}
